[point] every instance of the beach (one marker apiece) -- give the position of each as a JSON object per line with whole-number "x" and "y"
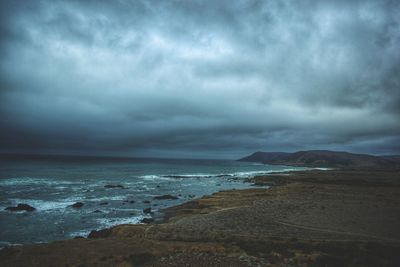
{"x": 73, "y": 196}
{"x": 308, "y": 218}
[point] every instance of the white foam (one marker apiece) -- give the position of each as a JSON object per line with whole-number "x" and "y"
{"x": 243, "y": 174}
{"x": 46, "y": 205}
{"x": 35, "y": 181}
{"x": 127, "y": 209}
{"x": 248, "y": 174}
{"x": 83, "y": 233}
{"x": 117, "y": 197}
{"x": 254, "y": 173}
{"x": 194, "y": 175}
{"x": 4, "y": 244}
{"x": 154, "y": 177}
{"x": 61, "y": 187}
{"x": 110, "y": 222}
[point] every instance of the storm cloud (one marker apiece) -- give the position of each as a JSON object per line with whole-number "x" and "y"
{"x": 216, "y": 79}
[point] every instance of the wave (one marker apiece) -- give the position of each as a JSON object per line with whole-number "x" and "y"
{"x": 177, "y": 176}
{"x": 105, "y": 198}
{"x": 240, "y": 174}
{"x": 322, "y": 169}
{"x": 155, "y": 177}
{"x": 4, "y": 244}
{"x": 83, "y": 233}
{"x": 45, "y": 205}
{"x": 107, "y": 223}
{"x": 36, "y": 181}
{"x": 110, "y": 222}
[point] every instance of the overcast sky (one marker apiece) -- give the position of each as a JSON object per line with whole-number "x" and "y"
{"x": 199, "y": 79}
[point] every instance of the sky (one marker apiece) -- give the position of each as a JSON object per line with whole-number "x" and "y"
{"x": 199, "y": 79}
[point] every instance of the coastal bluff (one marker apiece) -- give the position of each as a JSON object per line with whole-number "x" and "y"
{"x": 324, "y": 158}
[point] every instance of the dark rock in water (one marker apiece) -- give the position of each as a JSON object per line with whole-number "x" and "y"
{"x": 224, "y": 175}
{"x": 100, "y": 234}
{"x": 97, "y": 211}
{"x": 21, "y": 207}
{"x": 147, "y": 210}
{"x": 77, "y": 205}
{"x": 132, "y": 201}
{"x": 104, "y": 203}
{"x": 146, "y": 201}
{"x": 165, "y": 197}
{"x": 115, "y": 186}
{"x": 147, "y": 220}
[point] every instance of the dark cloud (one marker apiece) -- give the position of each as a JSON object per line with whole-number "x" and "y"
{"x": 199, "y": 78}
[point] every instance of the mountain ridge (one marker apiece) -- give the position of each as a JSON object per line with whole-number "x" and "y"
{"x": 324, "y": 158}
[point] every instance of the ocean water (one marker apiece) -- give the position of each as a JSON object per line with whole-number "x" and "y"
{"x": 51, "y": 185}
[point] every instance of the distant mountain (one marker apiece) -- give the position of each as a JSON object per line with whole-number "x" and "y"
{"x": 263, "y": 157}
{"x": 323, "y": 158}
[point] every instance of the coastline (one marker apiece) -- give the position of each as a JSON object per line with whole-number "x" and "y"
{"x": 306, "y": 218}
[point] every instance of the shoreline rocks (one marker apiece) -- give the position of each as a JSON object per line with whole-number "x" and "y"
{"x": 147, "y": 210}
{"x": 147, "y": 220}
{"x": 100, "y": 233}
{"x": 115, "y": 186}
{"x": 166, "y": 197}
{"x": 21, "y": 207}
{"x": 77, "y": 205}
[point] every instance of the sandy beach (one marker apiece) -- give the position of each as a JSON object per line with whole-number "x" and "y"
{"x": 309, "y": 218}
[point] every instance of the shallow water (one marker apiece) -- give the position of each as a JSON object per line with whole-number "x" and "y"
{"x": 52, "y": 185}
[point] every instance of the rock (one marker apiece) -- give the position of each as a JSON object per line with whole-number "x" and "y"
{"x": 115, "y": 186}
{"x": 147, "y": 220}
{"x": 77, "y": 205}
{"x": 223, "y": 175}
{"x": 147, "y": 210}
{"x": 132, "y": 201}
{"x": 104, "y": 203}
{"x": 100, "y": 233}
{"x": 165, "y": 197}
{"x": 21, "y": 207}
{"x": 146, "y": 201}
{"x": 97, "y": 211}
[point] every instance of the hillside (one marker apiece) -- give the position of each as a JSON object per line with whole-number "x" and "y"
{"x": 322, "y": 158}
{"x": 263, "y": 157}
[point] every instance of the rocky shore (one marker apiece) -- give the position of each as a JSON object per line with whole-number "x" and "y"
{"x": 311, "y": 218}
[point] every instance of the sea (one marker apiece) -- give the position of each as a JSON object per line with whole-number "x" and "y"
{"x": 113, "y": 191}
